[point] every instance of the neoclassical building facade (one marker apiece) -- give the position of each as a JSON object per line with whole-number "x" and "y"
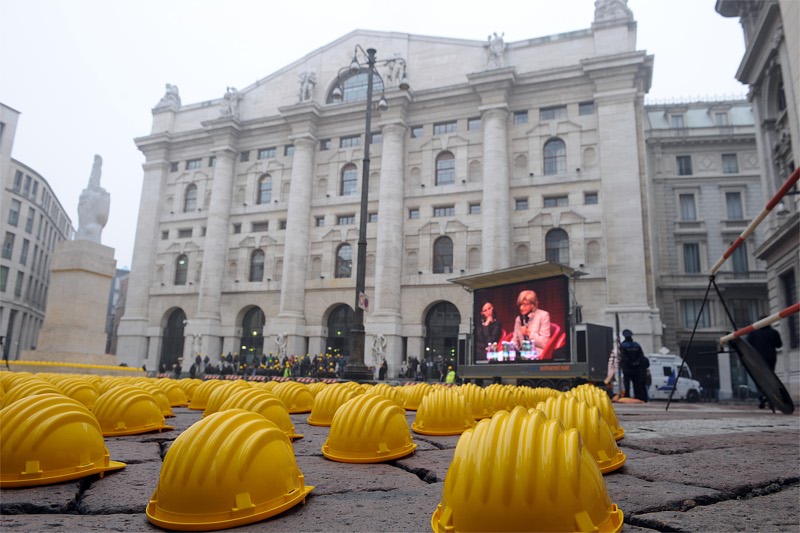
{"x": 499, "y": 154}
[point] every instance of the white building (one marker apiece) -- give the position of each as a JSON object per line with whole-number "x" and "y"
{"x": 32, "y": 221}
{"x": 527, "y": 151}
{"x": 705, "y": 189}
{"x": 771, "y": 68}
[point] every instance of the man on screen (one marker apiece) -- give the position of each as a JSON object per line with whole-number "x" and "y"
{"x": 532, "y": 324}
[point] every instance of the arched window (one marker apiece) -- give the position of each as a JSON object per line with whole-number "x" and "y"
{"x": 354, "y": 87}
{"x": 252, "y": 339}
{"x": 181, "y": 270}
{"x": 172, "y": 338}
{"x": 443, "y": 256}
{"x": 264, "y": 189}
{"x": 556, "y": 246}
{"x": 257, "y": 266}
{"x": 340, "y": 323}
{"x": 555, "y": 157}
{"x": 344, "y": 261}
{"x": 349, "y": 180}
{"x": 441, "y": 337}
{"x": 190, "y": 198}
{"x": 445, "y": 168}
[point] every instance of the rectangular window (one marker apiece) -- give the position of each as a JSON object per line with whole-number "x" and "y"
{"x": 744, "y": 310}
{"x": 13, "y": 213}
{"x": 521, "y": 204}
{"x": 282, "y": 224}
{"x": 345, "y": 220}
{"x": 690, "y": 309}
{"x": 444, "y": 211}
{"x": 590, "y": 198}
{"x": 730, "y": 164}
{"x": 739, "y": 259}
{"x": 691, "y": 258}
{"x": 23, "y": 255}
{"x": 203, "y": 231}
{"x": 350, "y": 141}
{"x": 244, "y": 157}
{"x": 31, "y": 218}
{"x": 212, "y": 161}
{"x": 35, "y": 190}
{"x": 18, "y": 285}
{"x": 788, "y": 287}
{"x": 586, "y": 108}
{"x": 185, "y": 233}
{"x": 237, "y": 228}
{"x": 173, "y": 167}
{"x": 266, "y": 153}
{"x": 520, "y": 117}
{"x": 3, "y": 278}
{"x": 444, "y": 127}
{"x": 413, "y": 213}
{"x": 288, "y": 150}
{"x": 319, "y": 221}
{"x": 556, "y": 201}
{"x": 41, "y": 225}
{"x": 415, "y": 131}
{"x": 193, "y": 164}
{"x": 376, "y": 137}
{"x": 688, "y": 209}
{"x": 474, "y": 209}
{"x": 8, "y": 245}
{"x": 474, "y": 124}
{"x": 165, "y": 235}
{"x": 721, "y": 118}
{"x": 373, "y": 217}
{"x": 553, "y": 113}
{"x": 676, "y": 121}
{"x": 733, "y": 201}
{"x": 684, "y": 165}
{"x": 17, "y": 181}
{"x": 27, "y": 190}
{"x": 259, "y": 227}
{"x": 325, "y": 144}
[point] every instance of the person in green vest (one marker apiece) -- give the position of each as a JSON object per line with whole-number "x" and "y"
{"x": 288, "y": 372}
{"x": 451, "y": 375}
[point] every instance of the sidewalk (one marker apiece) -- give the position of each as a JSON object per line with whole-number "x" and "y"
{"x": 697, "y": 467}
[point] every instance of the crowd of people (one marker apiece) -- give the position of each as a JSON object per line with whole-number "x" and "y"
{"x": 250, "y": 364}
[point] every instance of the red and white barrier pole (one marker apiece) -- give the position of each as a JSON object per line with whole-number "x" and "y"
{"x": 756, "y": 221}
{"x": 792, "y": 309}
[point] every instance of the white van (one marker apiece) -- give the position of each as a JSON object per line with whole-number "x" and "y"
{"x": 663, "y": 369}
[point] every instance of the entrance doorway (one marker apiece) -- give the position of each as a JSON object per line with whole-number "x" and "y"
{"x": 441, "y": 339}
{"x": 340, "y": 322}
{"x": 252, "y": 340}
{"x": 172, "y": 340}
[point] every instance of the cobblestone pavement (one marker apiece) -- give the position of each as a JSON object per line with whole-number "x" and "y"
{"x": 697, "y": 467}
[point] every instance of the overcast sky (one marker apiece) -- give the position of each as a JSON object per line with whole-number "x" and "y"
{"x": 86, "y": 73}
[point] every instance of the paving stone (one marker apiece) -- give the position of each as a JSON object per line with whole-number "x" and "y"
{"x": 384, "y": 511}
{"x": 330, "y": 477}
{"x": 773, "y": 512}
{"x": 442, "y": 443}
{"x": 707, "y": 425}
{"x": 313, "y": 438}
{"x": 57, "y": 498}
{"x": 73, "y": 523}
{"x": 431, "y": 466}
{"x": 125, "y": 491}
{"x": 132, "y": 452}
{"x": 728, "y": 469}
{"x": 710, "y": 442}
{"x": 634, "y": 495}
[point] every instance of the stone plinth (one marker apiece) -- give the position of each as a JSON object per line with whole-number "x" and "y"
{"x": 75, "y": 320}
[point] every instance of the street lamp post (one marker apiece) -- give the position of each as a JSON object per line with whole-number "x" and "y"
{"x": 356, "y": 367}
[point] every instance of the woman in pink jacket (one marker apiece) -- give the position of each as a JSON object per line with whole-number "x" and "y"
{"x": 532, "y": 324}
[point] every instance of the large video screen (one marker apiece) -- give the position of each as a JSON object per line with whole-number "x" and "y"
{"x": 553, "y": 299}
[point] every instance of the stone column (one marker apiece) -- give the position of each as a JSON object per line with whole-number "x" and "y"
{"x": 133, "y": 340}
{"x": 386, "y": 318}
{"x": 291, "y": 316}
{"x": 207, "y": 321}
{"x": 495, "y": 208}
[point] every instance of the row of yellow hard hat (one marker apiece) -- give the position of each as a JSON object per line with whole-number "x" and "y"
{"x": 62, "y": 364}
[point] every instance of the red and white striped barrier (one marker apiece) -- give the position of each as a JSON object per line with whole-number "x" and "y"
{"x": 756, "y": 221}
{"x": 792, "y": 309}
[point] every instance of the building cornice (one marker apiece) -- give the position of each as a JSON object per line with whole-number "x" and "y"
{"x": 787, "y": 234}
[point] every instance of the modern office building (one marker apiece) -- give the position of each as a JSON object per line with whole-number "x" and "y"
{"x": 705, "y": 177}
{"x": 32, "y": 221}
{"x": 771, "y": 69}
{"x": 499, "y": 154}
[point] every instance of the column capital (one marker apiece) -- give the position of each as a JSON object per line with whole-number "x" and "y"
{"x": 302, "y": 119}
{"x": 394, "y": 127}
{"x": 494, "y": 109}
{"x": 224, "y": 133}
{"x": 493, "y": 86}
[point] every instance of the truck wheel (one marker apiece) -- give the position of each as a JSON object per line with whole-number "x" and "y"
{"x": 692, "y": 396}
{"x": 546, "y": 384}
{"x": 526, "y": 383}
{"x": 563, "y": 385}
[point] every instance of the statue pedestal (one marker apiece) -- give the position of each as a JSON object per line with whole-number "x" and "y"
{"x": 75, "y": 320}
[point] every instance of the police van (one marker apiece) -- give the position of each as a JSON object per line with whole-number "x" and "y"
{"x": 663, "y": 370}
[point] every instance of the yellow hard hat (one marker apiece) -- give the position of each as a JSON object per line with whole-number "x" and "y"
{"x": 443, "y": 412}
{"x": 478, "y": 400}
{"x": 127, "y": 410}
{"x": 598, "y": 397}
{"x": 327, "y": 401}
{"x": 266, "y": 404}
